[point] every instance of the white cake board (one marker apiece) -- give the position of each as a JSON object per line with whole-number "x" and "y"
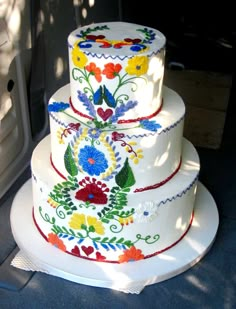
{"x": 128, "y": 277}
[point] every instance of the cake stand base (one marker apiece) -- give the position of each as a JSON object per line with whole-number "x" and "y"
{"x": 127, "y": 277}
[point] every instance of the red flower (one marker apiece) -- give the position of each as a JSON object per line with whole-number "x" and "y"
{"x": 111, "y": 70}
{"x": 117, "y": 136}
{"x": 132, "y": 41}
{"x": 130, "y": 255}
{"x": 92, "y": 191}
{"x": 92, "y": 68}
{"x": 94, "y": 37}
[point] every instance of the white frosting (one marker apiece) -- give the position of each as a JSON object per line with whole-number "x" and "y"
{"x": 138, "y": 67}
{"x": 115, "y": 181}
{"x": 161, "y": 150}
{"x": 165, "y": 211}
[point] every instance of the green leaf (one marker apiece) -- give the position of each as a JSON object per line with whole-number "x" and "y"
{"x": 69, "y": 162}
{"x": 104, "y": 220}
{"x": 120, "y": 240}
{"x": 125, "y": 177}
{"x": 105, "y": 239}
{"x": 113, "y": 239}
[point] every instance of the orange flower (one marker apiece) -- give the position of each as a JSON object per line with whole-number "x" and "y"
{"x": 56, "y": 241}
{"x": 130, "y": 255}
{"x": 111, "y": 70}
{"x": 96, "y": 71}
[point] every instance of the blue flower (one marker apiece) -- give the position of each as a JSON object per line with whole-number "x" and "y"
{"x": 92, "y": 161}
{"x": 58, "y": 106}
{"x": 150, "y": 125}
{"x": 94, "y": 133}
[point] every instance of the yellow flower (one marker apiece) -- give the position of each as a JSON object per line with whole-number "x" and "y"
{"x": 78, "y": 57}
{"x": 126, "y": 221}
{"x": 92, "y": 221}
{"x": 138, "y": 65}
{"x": 76, "y": 221}
{"x": 52, "y": 203}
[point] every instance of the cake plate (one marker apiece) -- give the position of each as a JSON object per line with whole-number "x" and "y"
{"x": 127, "y": 277}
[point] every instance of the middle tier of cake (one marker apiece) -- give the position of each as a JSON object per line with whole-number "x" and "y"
{"x": 146, "y": 152}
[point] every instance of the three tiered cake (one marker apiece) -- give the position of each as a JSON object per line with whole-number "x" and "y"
{"x": 115, "y": 181}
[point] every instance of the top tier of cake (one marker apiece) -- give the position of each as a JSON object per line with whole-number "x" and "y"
{"x": 116, "y": 72}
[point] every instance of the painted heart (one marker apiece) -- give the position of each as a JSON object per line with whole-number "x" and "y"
{"x": 104, "y": 114}
{"x": 100, "y": 257}
{"x": 75, "y": 251}
{"x": 87, "y": 250}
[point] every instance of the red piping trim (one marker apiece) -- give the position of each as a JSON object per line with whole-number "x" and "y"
{"x": 54, "y": 167}
{"x": 79, "y": 113}
{"x": 161, "y": 183}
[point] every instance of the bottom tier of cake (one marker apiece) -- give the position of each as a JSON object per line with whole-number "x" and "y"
{"x": 131, "y": 226}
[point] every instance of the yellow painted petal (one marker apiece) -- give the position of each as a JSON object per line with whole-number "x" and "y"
{"x": 76, "y": 221}
{"x": 138, "y": 65}
{"x": 79, "y": 58}
{"x": 92, "y": 221}
{"x": 136, "y": 160}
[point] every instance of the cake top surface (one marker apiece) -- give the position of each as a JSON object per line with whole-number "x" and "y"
{"x": 117, "y": 39}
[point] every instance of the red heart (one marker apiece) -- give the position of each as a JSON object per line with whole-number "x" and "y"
{"x": 100, "y": 257}
{"x": 104, "y": 114}
{"x": 87, "y": 250}
{"x": 75, "y": 251}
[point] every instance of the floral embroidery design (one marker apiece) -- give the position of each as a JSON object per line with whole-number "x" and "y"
{"x": 137, "y": 65}
{"x": 92, "y": 191}
{"x": 135, "y": 155}
{"x": 106, "y": 106}
{"x": 92, "y": 161}
{"x": 87, "y": 39}
{"x": 109, "y": 211}
{"x": 87, "y": 223}
{"x": 130, "y": 255}
{"x": 145, "y": 212}
{"x": 56, "y": 241}
{"x": 92, "y": 157}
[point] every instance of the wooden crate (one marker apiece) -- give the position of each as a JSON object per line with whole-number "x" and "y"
{"x": 206, "y": 95}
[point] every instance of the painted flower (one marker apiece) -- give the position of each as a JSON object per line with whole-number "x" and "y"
{"x": 92, "y": 191}
{"x": 111, "y": 70}
{"x": 126, "y": 221}
{"x": 138, "y": 65}
{"x": 58, "y": 106}
{"x": 77, "y": 221}
{"x": 136, "y": 155}
{"x": 92, "y": 160}
{"x": 94, "y": 70}
{"x": 150, "y": 125}
{"x": 130, "y": 255}
{"x": 145, "y": 212}
{"x": 96, "y": 224}
{"x": 116, "y": 136}
{"x": 91, "y": 224}
{"x": 52, "y": 203}
{"x": 78, "y": 57}
{"x": 56, "y": 241}
{"x": 94, "y": 133}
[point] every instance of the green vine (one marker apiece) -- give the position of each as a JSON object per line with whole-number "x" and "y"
{"x": 60, "y": 194}
{"x": 117, "y": 201}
